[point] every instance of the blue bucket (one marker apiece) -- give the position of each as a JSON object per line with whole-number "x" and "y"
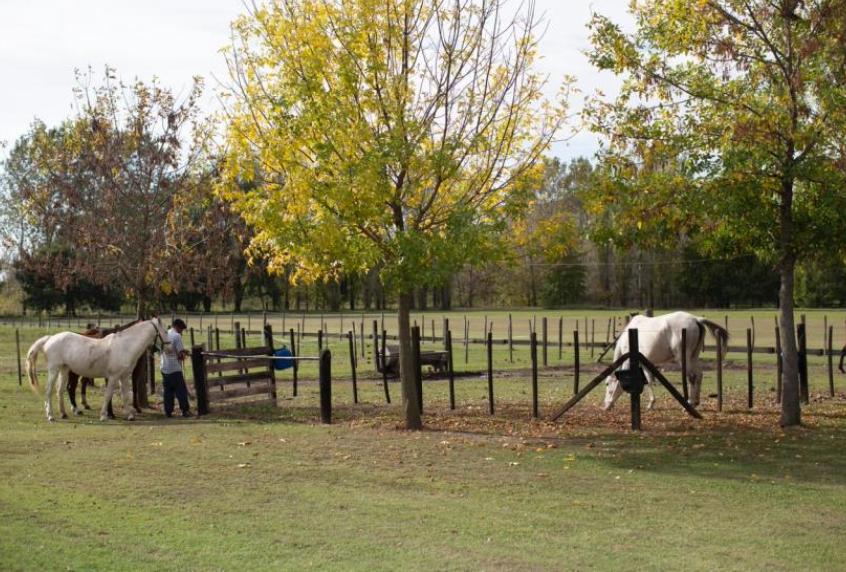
{"x": 280, "y": 364}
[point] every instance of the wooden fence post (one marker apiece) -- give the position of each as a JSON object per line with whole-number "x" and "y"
{"x": 749, "y": 385}
{"x": 384, "y": 367}
{"x": 533, "y": 351}
{"x": 352, "y": 366}
{"x": 510, "y": 340}
{"x": 271, "y": 363}
{"x": 418, "y": 372}
{"x": 200, "y": 388}
{"x": 830, "y": 355}
{"x": 325, "y": 386}
{"x": 376, "y": 344}
{"x": 490, "y": 374}
{"x": 634, "y": 365}
{"x": 545, "y": 339}
{"x": 592, "y": 336}
{"x": 803, "y": 361}
{"x": 560, "y": 338}
{"x": 450, "y": 371}
{"x": 466, "y": 341}
{"x": 576, "y": 360}
{"x": 825, "y": 331}
{"x": 296, "y": 363}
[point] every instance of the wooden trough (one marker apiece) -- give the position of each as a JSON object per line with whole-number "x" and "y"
{"x": 389, "y": 363}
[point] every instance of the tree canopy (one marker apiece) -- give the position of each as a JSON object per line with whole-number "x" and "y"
{"x": 401, "y": 135}
{"x": 730, "y": 120}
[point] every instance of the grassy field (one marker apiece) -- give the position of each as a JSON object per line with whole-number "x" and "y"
{"x": 270, "y": 488}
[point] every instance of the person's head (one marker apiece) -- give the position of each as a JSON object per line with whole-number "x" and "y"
{"x": 179, "y": 325}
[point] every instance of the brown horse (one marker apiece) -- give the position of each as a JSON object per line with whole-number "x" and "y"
{"x": 95, "y": 332}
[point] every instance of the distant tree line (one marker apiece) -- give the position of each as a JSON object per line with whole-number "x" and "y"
{"x": 115, "y": 207}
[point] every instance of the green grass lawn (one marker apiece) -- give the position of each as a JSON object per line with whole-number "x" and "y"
{"x": 270, "y": 488}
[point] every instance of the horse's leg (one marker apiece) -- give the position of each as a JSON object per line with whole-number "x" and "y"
{"x": 694, "y": 377}
{"x": 107, "y": 398}
{"x": 111, "y": 410}
{"x": 61, "y": 389}
{"x": 86, "y": 381}
{"x": 648, "y": 387}
{"x": 73, "y": 380}
{"x": 128, "y": 408}
{"x": 52, "y": 374}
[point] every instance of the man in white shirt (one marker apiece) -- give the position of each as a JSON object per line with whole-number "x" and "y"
{"x": 173, "y": 381}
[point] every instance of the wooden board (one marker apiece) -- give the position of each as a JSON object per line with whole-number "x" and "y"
{"x": 237, "y": 365}
{"x": 260, "y": 388}
{"x": 255, "y": 376}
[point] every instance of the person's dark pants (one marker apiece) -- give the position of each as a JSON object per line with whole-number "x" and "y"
{"x": 174, "y": 386}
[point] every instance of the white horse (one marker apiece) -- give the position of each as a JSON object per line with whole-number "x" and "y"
{"x": 113, "y": 357}
{"x": 659, "y": 339}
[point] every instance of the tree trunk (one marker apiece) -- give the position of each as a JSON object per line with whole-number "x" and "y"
{"x": 446, "y": 296}
{"x": 410, "y": 406}
{"x": 791, "y": 411}
{"x": 790, "y": 401}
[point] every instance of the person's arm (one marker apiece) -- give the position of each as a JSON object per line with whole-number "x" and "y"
{"x": 179, "y": 348}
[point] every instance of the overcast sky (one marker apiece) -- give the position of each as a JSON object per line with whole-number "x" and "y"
{"x": 43, "y": 41}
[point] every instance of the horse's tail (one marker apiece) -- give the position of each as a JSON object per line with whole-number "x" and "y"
{"x": 719, "y": 332}
{"x": 31, "y": 357}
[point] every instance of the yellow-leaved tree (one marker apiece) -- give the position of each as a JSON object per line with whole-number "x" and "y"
{"x": 398, "y": 134}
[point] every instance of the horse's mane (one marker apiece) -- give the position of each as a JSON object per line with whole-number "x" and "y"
{"x": 103, "y": 332}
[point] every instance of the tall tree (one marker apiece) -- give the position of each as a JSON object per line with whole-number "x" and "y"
{"x": 139, "y": 149}
{"x": 390, "y": 133}
{"x": 730, "y": 120}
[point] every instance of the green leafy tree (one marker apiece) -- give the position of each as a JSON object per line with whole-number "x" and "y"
{"x": 729, "y": 123}
{"x": 398, "y": 134}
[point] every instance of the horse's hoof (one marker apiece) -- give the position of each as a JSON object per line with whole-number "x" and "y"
{"x": 64, "y": 415}
{"x": 77, "y": 412}
{"x": 130, "y": 417}
{"x": 103, "y": 418}
{"x": 85, "y": 405}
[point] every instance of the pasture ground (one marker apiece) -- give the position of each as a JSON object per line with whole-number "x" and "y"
{"x": 263, "y": 488}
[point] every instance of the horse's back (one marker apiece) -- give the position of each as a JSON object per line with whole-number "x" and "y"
{"x": 88, "y": 357}
{"x": 660, "y": 336}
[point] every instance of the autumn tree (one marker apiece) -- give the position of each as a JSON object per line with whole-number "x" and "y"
{"x": 139, "y": 149}
{"x": 729, "y": 124}
{"x": 94, "y": 194}
{"x": 399, "y": 134}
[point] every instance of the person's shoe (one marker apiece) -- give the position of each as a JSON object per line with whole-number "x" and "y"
{"x": 187, "y": 414}
{"x": 168, "y": 415}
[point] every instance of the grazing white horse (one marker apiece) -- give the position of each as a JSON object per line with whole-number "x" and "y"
{"x": 659, "y": 339}
{"x": 113, "y": 357}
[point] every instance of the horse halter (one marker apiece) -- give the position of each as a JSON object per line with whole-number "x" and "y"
{"x": 158, "y": 337}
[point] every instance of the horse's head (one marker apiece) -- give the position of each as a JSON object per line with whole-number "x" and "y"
{"x": 612, "y": 391}
{"x": 161, "y": 331}
{"x": 695, "y": 382}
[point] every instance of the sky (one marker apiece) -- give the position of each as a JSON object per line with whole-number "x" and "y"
{"x": 42, "y": 42}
